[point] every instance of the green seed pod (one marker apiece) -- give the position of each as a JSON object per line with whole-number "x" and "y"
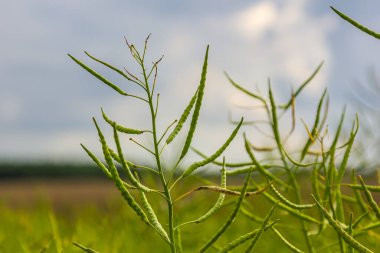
{"x": 85, "y": 249}
{"x": 242, "y": 239}
{"x": 356, "y": 24}
{"x": 261, "y": 230}
{"x": 121, "y": 128}
{"x": 183, "y": 119}
{"x": 153, "y": 217}
{"x": 347, "y": 238}
{"x": 218, "y": 204}
{"x": 260, "y": 167}
{"x": 129, "y": 174}
{"x": 100, "y": 77}
{"x": 232, "y": 217}
{"x": 208, "y": 160}
{"x": 370, "y": 199}
{"x": 287, "y": 243}
{"x": 108, "y": 66}
{"x": 117, "y": 180}
{"x": 288, "y": 202}
{"x": 197, "y": 108}
{"x": 99, "y": 163}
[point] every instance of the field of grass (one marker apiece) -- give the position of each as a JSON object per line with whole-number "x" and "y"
{"x": 93, "y": 214}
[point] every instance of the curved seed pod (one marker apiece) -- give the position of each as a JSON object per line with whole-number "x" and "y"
{"x": 129, "y": 174}
{"x": 347, "y": 238}
{"x": 218, "y": 203}
{"x": 303, "y": 85}
{"x": 274, "y": 119}
{"x": 97, "y": 75}
{"x": 299, "y": 164}
{"x": 152, "y": 217}
{"x": 242, "y": 239}
{"x": 288, "y": 202}
{"x": 343, "y": 164}
{"x": 231, "y": 219}
{"x": 291, "y": 211}
{"x": 350, "y": 232}
{"x": 237, "y": 86}
{"x": 228, "y": 165}
{"x": 314, "y": 130}
{"x": 261, "y": 230}
{"x": 117, "y": 180}
{"x": 197, "y": 108}
{"x": 117, "y": 159}
{"x": 85, "y": 249}
{"x": 183, "y": 119}
{"x": 370, "y": 199}
{"x": 108, "y": 66}
{"x": 287, "y": 243}
{"x": 121, "y": 128}
{"x": 99, "y": 163}
{"x": 356, "y": 24}
{"x": 208, "y": 160}
{"x": 371, "y": 188}
{"x": 102, "y": 167}
{"x": 359, "y": 199}
{"x": 260, "y": 167}
{"x": 361, "y": 217}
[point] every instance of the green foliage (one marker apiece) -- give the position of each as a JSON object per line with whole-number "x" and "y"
{"x": 318, "y": 162}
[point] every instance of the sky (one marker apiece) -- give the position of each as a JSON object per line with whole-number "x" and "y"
{"x": 47, "y": 101}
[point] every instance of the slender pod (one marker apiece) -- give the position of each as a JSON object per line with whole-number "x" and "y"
{"x": 370, "y": 199}
{"x": 85, "y": 249}
{"x": 232, "y": 217}
{"x": 287, "y": 243}
{"x": 242, "y": 239}
{"x": 348, "y": 238}
{"x": 343, "y": 164}
{"x": 129, "y": 174}
{"x": 99, "y": 163}
{"x": 108, "y": 66}
{"x": 295, "y": 213}
{"x": 211, "y": 158}
{"x": 356, "y": 24}
{"x": 361, "y": 217}
{"x": 260, "y": 167}
{"x": 197, "y": 108}
{"x": 117, "y": 180}
{"x": 303, "y": 85}
{"x": 228, "y": 165}
{"x": 350, "y": 231}
{"x": 261, "y": 230}
{"x": 219, "y": 202}
{"x": 371, "y": 188}
{"x": 121, "y": 128}
{"x": 288, "y": 202}
{"x": 130, "y": 164}
{"x": 153, "y": 217}
{"x": 98, "y": 76}
{"x": 358, "y": 196}
{"x": 237, "y": 86}
{"x": 183, "y": 118}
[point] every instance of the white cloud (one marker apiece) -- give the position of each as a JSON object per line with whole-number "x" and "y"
{"x": 257, "y": 19}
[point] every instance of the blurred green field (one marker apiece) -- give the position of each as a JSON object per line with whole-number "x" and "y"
{"x": 49, "y": 215}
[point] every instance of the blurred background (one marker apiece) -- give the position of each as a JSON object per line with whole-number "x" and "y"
{"x": 47, "y": 101}
{"x": 50, "y": 189}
